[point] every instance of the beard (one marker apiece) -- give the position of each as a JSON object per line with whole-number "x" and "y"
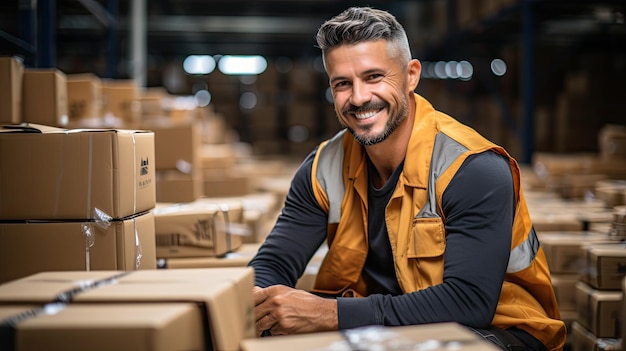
{"x": 392, "y": 124}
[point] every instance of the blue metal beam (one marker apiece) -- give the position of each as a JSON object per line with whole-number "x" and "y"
{"x": 112, "y": 42}
{"x": 46, "y": 34}
{"x": 528, "y": 82}
{"x": 27, "y": 14}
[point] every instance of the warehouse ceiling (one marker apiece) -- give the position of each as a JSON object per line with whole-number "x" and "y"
{"x": 176, "y": 28}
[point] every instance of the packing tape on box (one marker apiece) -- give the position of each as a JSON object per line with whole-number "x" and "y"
{"x": 134, "y": 172}
{"x": 224, "y": 210}
{"x": 89, "y": 177}
{"x": 138, "y": 250}
{"x": 58, "y": 303}
{"x": 103, "y": 221}
{"x": 9, "y": 325}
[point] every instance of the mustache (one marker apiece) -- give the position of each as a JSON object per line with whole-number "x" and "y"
{"x": 368, "y": 106}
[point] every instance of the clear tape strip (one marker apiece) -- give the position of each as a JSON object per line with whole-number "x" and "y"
{"x": 89, "y": 170}
{"x": 224, "y": 208}
{"x": 103, "y": 221}
{"x": 138, "y": 249}
{"x": 88, "y": 232}
{"x": 135, "y": 184}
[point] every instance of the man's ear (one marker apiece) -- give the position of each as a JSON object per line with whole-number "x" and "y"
{"x": 414, "y": 70}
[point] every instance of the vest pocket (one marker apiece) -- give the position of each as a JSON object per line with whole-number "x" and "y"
{"x": 427, "y": 238}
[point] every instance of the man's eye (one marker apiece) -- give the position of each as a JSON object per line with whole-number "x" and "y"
{"x": 374, "y": 76}
{"x": 341, "y": 84}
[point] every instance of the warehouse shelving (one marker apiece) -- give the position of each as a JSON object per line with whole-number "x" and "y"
{"x": 573, "y": 27}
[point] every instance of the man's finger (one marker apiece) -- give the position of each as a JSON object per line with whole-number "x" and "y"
{"x": 258, "y": 295}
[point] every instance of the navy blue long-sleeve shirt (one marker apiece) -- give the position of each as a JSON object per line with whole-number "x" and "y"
{"x": 478, "y": 205}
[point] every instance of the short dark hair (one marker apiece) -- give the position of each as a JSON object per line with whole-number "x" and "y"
{"x": 361, "y": 24}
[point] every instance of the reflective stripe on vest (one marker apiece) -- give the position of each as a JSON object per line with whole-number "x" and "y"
{"x": 330, "y": 176}
{"x": 523, "y": 255}
{"x": 445, "y": 151}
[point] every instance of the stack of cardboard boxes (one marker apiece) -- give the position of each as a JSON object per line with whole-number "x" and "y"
{"x": 75, "y": 200}
{"x": 575, "y": 201}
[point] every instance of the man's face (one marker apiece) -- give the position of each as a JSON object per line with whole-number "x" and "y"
{"x": 369, "y": 90}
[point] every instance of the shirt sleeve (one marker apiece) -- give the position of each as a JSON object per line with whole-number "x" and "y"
{"x": 479, "y": 205}
{"x": 299, "y": 231}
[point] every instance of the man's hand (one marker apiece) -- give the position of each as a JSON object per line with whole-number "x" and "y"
{"x": 283, "y": 310}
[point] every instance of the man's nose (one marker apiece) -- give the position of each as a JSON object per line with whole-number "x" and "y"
{"x": 360, "y": 94}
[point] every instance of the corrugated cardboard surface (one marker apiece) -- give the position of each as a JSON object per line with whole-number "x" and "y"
{"x": 439, "y": 336}
{"x": 598, "y": 311}
{"x": 565, "y": 290}
{"x": 222, "y": 296}
{"x": 564, "y": 250}
{"x": 190, "y": 230}
{"x": 177, "y": 145}
{"x": 238, "y": 258}
{"x": 584, "y": 340}
{"x": 175, "y": 186}
{"x": 155, "y": 327}
{"x": 73, "y": 174}
{"x": 28, "y": 248}
{"x": 606, "y": 265}
{"x": 84, "y": 96}
{"x": 120, "y": 98}
{"x": 44, "y": 97}
{"x": 11, "y": 74}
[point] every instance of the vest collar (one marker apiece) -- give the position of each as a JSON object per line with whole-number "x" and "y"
{"x": 420, "y": 148}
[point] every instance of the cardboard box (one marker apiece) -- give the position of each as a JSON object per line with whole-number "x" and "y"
{"x": 260, "y": 211}
{"x": 11, "y": 78}
{"x": 564, "y": 250}
{"x": 32, "y": 247}
{"x": 175, "y": 186}
{"x": 584, "y": 340}
{"x": 195, "y": 229}
{"x": 177, "y": 145}
{"x": 222, "y": 184}
{"x": 152, "y": 101}
{"x": 565, "y": 290}
{"x": 120, "y": 98}
{"x": 606, "y": 265}
{"x": 84, "y": 96}
{"x": 52, "y": 173}
{"x": 237, "y": 258}
{"x": 44, "y": 97}
{"x": 218, "y": 156}
{"x": 222, "y": 298}
{"x": 436, "y": 336}
{"x": 560, "y": 222}
{"x": 599, "y": 311}
{"x": 148, "y": 326}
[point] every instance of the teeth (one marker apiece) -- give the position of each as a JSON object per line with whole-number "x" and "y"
{"x": 366, "y": 114}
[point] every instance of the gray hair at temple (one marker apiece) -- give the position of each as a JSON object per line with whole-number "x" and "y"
{"x": 360, "y": 24}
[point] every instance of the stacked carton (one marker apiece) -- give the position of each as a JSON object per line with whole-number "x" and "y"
{"x": 84, "y": 98}
{"x": 438, "y": 336}
{"x": 177, "y": 147}
{"x": 141, "y": 310}
{"x": 599, "y": 298}
{"x": 121, "y": 102}
{"x": 11, "y": 80}
{"x": 199, "y": 229}
{"x": 75, "y": 200}
{"x": 44, "y": 98}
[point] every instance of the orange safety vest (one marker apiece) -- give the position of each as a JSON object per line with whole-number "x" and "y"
{"x": 415, "y": 222}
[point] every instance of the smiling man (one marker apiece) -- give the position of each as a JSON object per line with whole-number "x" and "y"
{"x": 425, "y": 220}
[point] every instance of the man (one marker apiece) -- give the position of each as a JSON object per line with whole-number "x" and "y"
{"x": 424, "y": 219}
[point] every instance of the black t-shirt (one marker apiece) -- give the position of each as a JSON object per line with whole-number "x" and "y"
{"x": 478, "y": 205}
